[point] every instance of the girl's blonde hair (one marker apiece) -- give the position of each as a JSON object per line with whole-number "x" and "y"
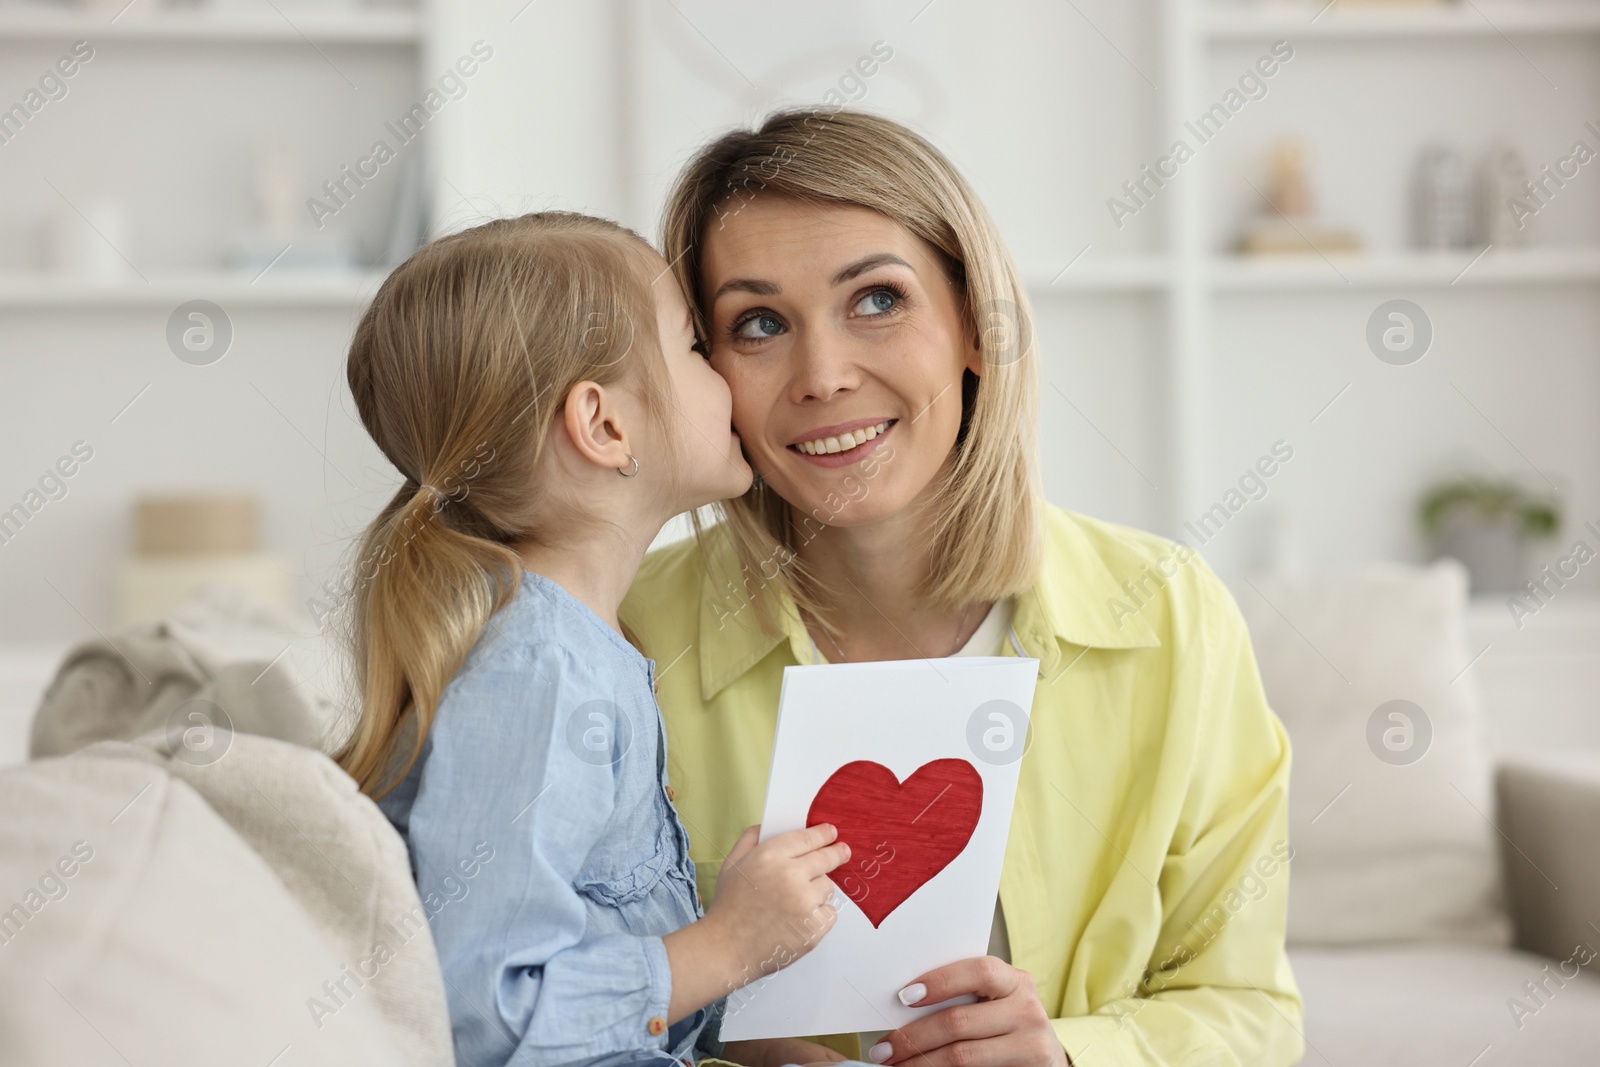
{"x": 986, "y": 520}
{"x": 459, "y": 367}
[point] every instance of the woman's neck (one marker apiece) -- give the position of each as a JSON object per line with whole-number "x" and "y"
{"x": 873, "y": 575}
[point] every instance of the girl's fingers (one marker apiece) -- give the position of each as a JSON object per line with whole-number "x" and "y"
{"x": 741, "y": 848}
{"x": 825, "y": 859}
{"x": 810, "y": 839}
{"x": 984, "y": 976}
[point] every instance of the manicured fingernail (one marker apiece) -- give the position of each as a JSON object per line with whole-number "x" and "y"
{"x": 913, "y": 993}
{"x": 880, "y": 1052}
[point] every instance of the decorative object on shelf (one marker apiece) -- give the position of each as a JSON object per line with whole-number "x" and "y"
{"x": 1441, "y": 200}
{"x": 186, "y": 541}
{"x": 283, "y": 239}
{"x": 408, "y": 223}
{"x": 1487, "y": 524}
{"x": 1288, "y": 222}
{"x": 94, "y": 244}
{"x": 1501, "y": 177}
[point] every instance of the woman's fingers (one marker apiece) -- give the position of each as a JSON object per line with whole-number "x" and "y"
{"x": 960, "y": 1022}
{"x": 1007, "y": 1026}
{"x": 1009, "y": 1050}
{"x": 988, "y": 977}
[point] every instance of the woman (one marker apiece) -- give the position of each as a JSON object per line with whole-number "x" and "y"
{"x": 879, "y": 349}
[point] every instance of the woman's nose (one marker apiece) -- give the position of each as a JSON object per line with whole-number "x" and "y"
{"x": 823, "y": 367}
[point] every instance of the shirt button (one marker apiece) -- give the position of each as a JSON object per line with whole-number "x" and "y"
{"x": 657, "y": 1026}
{"x": 670, "y": 794}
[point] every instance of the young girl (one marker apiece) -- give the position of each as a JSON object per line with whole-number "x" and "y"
{"x": 539, "y": 383}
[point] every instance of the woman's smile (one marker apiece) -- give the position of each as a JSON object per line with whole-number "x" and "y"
{"x": 842, "y": 444}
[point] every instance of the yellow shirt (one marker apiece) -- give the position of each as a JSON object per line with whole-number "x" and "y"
{"x": 1145, "y": 881}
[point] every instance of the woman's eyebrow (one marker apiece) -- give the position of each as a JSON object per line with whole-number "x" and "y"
{"x": 866, "y": 263}
{"x": 847, "y": 273}
{"x": 745, "y": 285}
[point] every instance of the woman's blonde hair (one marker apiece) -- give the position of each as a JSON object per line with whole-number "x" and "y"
{"x": 986, "y": 521}
{"x": 459, "y": 367}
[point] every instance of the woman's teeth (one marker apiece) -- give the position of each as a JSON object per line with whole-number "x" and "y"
{"x": 844, "y": 442}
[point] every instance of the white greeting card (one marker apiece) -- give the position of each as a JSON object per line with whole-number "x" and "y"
{"x": 916, "y": 762}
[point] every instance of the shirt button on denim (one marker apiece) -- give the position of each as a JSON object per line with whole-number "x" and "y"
{"x": 670, "y": 794}
{"x": 657, "y": 1026}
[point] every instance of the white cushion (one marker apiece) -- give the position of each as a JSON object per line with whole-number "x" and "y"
{"x": 275, "y": 672}
{"x": 1424, "y": 1005}
{"x": 169, "y": 942}
{"x": 339, "y": 858}
{"x": 1382, "y": 851}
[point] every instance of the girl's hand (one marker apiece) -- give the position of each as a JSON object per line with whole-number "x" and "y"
{"x": 771, "y": 908}
{"x": 1008, "y": 1027}
{"x": 778, "y": 1052}
{"x": 772, "y": 900}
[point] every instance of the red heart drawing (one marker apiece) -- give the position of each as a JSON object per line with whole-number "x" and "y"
{"x": 900, "y": 834}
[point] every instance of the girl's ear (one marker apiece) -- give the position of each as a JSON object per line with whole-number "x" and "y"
{"x": 594, "y": 425}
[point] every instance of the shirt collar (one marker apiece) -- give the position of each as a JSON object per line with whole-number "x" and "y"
{"x": 1074, "y": 601}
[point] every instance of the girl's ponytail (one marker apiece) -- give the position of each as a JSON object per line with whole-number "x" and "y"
{"x": 423, "y": 593}
{"x": 458, "y": 368}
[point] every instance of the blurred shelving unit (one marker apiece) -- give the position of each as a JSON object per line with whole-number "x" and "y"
{"x": 288, "y": 290}
{"x": 293, "y": 25}
{"x": 157, "y": 35}
{"x": 1264, "y": 22}
{"x": 1199, "y": 280}
{"x": 1521, "y": 266}
{"x": 176, "y": 165}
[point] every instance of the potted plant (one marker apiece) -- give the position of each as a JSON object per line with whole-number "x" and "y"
{"x": 1487, "y": 524}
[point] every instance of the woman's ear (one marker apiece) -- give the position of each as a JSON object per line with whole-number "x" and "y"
{"x": 595, "y": 426}
{"x": 972, "y": 335}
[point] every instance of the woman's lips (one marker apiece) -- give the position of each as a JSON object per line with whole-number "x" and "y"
{"x": 849, "y": 456}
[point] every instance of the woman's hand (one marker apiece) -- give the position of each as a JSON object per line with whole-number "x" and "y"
{"x": 1008, "y": 1027}
{"x": 778, "y": 1052}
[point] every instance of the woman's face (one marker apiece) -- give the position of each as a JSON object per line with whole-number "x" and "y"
{"x": 843, "y": 341}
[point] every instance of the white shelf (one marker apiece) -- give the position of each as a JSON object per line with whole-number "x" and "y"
{"x": 295, "y": 24}
{"x": 1309, "y": 271}
{"x": 1520, "y": 266}
{"x": 1348, "y": 19}
{"x": 303, "y": 289}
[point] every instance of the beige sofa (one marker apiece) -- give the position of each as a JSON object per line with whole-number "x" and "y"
{"x": 183, "y": 885}
{"x": 232, "y": 906}
{"x": 1443, "y": 903}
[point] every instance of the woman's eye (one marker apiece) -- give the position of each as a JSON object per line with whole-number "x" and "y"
{"x": 876, "y": 302}
{"x": 757, "y": 327}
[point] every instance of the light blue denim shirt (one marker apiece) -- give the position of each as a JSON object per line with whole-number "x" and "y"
{"x": 548, "y": 756}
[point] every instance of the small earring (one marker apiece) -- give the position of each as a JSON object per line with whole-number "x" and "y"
{"x": 632, "y": 473}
